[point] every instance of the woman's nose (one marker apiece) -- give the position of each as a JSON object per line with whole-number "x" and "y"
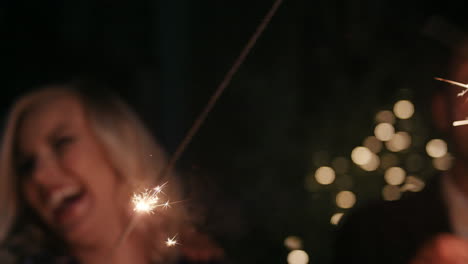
{"x": 48, "y": 172}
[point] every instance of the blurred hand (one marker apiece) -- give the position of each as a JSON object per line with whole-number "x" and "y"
{"x": 443, "y": 249}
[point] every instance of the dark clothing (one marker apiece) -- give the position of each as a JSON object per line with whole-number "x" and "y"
{"x": 392, "y": 232}
{"x": 23, "y": 251}
{"x": 45, "y": 258}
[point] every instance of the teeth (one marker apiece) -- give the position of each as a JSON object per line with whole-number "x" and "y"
{"x": 60, "y": 195}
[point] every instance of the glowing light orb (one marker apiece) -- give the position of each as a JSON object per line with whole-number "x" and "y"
{"x": 293, "y": 242}
{"x": 345, "y": 199}
{"x": 384, "y": 131}
{"x": 373, "y": 164}
{"x": 385, "y": 116}
{"x": 436, "y": 148}
{"x": 361, "y": 155}
{"x": 391, "y": 193}
{"x": 400, "y": 141}
{"x": 373, "y": 144}
{"x": 325, "y": 175}
{"x": 298, "y": 257}
{"x": 335, "y": 219}
{"x": 443, "y": 163}
{"x": 395, "y": 176}
{"x": 403, "y": 109}
{"x": 413, "y": 184}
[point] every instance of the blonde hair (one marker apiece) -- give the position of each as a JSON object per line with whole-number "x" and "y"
{"x": 132, "y": 151}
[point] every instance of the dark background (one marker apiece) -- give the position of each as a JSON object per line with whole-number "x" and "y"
{"x": 307, "y": 93}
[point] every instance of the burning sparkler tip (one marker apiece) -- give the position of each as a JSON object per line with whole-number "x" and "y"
{"x": 170, "y": 242}
{"x": 460, "y": 123}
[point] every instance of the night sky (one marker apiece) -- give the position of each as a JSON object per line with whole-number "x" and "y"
{"x": 308, "y": 93}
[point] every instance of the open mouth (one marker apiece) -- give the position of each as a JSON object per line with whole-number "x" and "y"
{"x": 68, "y": 205}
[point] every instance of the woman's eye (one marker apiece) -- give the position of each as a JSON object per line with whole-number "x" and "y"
{"x": 61, "y": 142}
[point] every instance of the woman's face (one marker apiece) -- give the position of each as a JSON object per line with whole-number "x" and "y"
{"x": 66, "y": 176}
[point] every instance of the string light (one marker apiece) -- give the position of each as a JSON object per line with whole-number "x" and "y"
{"x": 335, "y": 219}
{"x": 395, "y": 176}
{"x": 391, "y": 193}
{"x": 345, "y": 199}
{"x": 403, "y": 109}
{"x": 361, "y": 155}
{"x": 373, "y": 144}
{"x": 436, "y": 148}
{"x": 298, "y": 257}
{"x": 293, "y": 242}
{"x": 385, "y": 116}
{"x": 372, "y": 165}
{"x": 325, "y": 175}
{"x": 384, "y": 131}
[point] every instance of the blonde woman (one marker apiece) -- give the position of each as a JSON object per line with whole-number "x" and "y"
{"x": 69, "y": 164}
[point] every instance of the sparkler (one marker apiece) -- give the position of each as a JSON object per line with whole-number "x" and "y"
{"x": 145, "y": 202}
{"x": 460, "y": 94}
{"x": 148, "y": 201}
{"x": 170, "y": 242}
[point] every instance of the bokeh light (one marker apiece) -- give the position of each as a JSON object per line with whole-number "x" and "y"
{"x": 293, "y": 242}
{"x": 395, "y": 176}
{"x": 400, "y": 141}
{"x": 361, "y": 155}
{"x": 340, "y": 165}
{"x": 436, "y": 148}
{"x": 335, "y": 219}
{"x": 325, "y": 175}
{"x": 345, "y": 199}
{"x": 413, "y": 184}
{"x": 385, "y": 116}
{"x": 443, "y": 163}
{"x": 389, "y": 160}
{"x": 391, "y": 193}
{"x": 384, "y": 131}
{"x": 373, "y": 144}
{"x": 298, "y": 257}
{"x": 403, "y": 109}
{"x": 373, "y": 164}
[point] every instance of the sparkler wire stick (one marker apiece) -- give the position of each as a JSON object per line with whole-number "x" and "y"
{"x": 465, "y": 86}
{"x": 209, "y": 106}
{"x": 222, "y": 86}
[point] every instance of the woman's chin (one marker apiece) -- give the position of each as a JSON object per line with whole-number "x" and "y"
{"x": 74, "y": 220}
